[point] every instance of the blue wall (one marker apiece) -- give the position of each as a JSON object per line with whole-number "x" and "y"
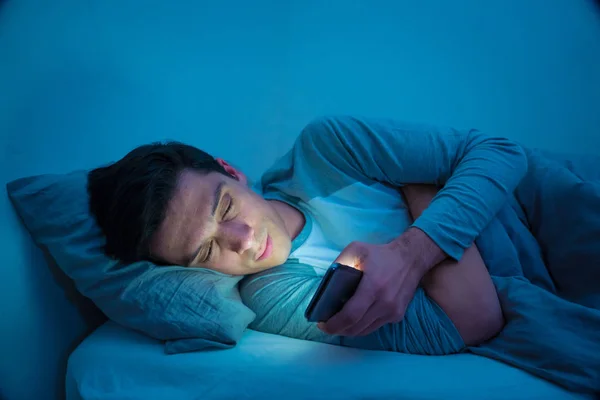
{"x": 82, "y": 82}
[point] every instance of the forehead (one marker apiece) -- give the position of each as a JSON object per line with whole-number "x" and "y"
{"x": 193, "y": 193}
{"x": 186, "y": 211}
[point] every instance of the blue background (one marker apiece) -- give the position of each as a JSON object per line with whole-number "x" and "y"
{"x": 82, "y": 82}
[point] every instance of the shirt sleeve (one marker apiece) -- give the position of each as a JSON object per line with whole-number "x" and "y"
{"x": 279, "y": 297}
{"x": 477, "y": 172}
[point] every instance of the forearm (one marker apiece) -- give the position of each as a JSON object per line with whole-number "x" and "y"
{"x": 478, "y": 172}
{"x": 463, "y": 288}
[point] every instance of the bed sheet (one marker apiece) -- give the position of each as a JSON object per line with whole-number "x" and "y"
{"x": 117, "y": 363}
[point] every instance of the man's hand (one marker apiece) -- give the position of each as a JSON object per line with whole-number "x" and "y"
{"x": 391, "y": 274}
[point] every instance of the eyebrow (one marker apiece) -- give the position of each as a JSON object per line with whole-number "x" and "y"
{"x": 215, "y": 205}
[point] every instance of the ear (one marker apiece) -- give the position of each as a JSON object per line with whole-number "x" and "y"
{"x": 234, "y": 172}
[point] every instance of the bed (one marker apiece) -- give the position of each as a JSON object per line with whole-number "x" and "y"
{"x": 118, "y": 363}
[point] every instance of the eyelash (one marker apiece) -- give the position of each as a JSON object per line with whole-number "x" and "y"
{"x": 210, "y": 250}
{"x": 228, "y": 208}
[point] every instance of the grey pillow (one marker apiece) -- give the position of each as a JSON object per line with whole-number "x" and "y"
{"x": 191, "y": 309}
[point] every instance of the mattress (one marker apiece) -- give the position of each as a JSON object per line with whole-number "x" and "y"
{"x": 117, "y": 363}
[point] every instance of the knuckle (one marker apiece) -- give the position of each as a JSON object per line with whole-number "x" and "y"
{"x": 351, "y": 315}
{"x": 390, "y": 304}
{"x": 353, "y": 311}
{"x": 378, "y": 284}
{"x": 347, "y": 319}
{"x": 371, "y": 293}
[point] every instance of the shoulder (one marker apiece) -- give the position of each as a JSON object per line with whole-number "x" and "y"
{"x": 275, "y": 282}
{"x": 326, "y": 127}
{"x": 339, "y": 128}
{"x": 289, "y": 270}
{"x": 330, "y": 140}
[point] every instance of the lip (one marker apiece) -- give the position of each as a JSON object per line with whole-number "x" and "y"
{"x": 268, "y": 249}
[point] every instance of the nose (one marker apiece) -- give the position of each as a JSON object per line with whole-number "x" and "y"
{"x": 237, "y": 236}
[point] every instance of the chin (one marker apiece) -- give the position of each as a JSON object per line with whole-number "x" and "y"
{"x": 257, "y": 269}
{"x": 281, "y": 251}
{"x": 274, "y": 261}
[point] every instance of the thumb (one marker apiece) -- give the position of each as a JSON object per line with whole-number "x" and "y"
{"x": 353, "y": 255}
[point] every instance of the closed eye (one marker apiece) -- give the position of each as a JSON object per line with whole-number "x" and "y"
{"x": 229, "y": 207}
{"x": 211, "y": 245}
{"x": 209, "y": 254}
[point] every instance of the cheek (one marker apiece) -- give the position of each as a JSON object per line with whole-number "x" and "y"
{"x": 257, "y": 217}
{"x": 229, "y": 263}
{"x": 160, "y": 247}
{"x": 281, "y": 249}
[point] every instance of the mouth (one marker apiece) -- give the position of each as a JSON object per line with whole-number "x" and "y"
{"x": 267, "y": 249}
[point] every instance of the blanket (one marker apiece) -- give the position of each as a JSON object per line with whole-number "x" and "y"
{"x": 543, "y": 253}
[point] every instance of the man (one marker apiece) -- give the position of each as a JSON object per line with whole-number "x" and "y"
{"x": 336, "y": 196}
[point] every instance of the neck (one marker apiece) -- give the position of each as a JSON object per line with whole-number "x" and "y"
{"x": 293, "y": 219}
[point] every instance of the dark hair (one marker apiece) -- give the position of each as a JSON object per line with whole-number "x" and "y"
{"x": 129, "y": 198}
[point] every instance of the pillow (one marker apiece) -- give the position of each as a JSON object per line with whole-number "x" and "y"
{"x": 191, "y": 309}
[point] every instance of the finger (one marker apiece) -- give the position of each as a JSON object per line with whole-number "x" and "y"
{"x": 378, "y": 323}
{"x": 346, "y": 258}
{"x": 353, "y": 255}
{"x": 354, "y": 309}
{"x": 393, "y": 304}
{"x": 384, "y": 310}
{"x": 372, "y": 315}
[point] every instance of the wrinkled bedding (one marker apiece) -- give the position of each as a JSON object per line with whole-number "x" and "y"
{"x": 118, "y": 363}
{"x": 543, "y": 252}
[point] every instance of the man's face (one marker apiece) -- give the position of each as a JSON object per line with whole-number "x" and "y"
{"x": 217, "y": 222}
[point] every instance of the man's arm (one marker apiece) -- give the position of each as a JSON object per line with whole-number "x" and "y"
{"x": 478, "y": 172}
{"x": 463, "y": 289}
{"x": 280, "y": 296}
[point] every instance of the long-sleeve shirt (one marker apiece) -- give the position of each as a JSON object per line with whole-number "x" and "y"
{"x": 343, "y": 174}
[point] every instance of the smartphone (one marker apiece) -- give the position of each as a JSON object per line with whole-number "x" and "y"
{"x": 338, "y": 285}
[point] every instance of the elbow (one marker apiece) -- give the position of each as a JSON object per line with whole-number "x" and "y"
{"x": 515, "y": 156}
{"x": 509, "y": 153}
{"x": 520, "y": 162}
